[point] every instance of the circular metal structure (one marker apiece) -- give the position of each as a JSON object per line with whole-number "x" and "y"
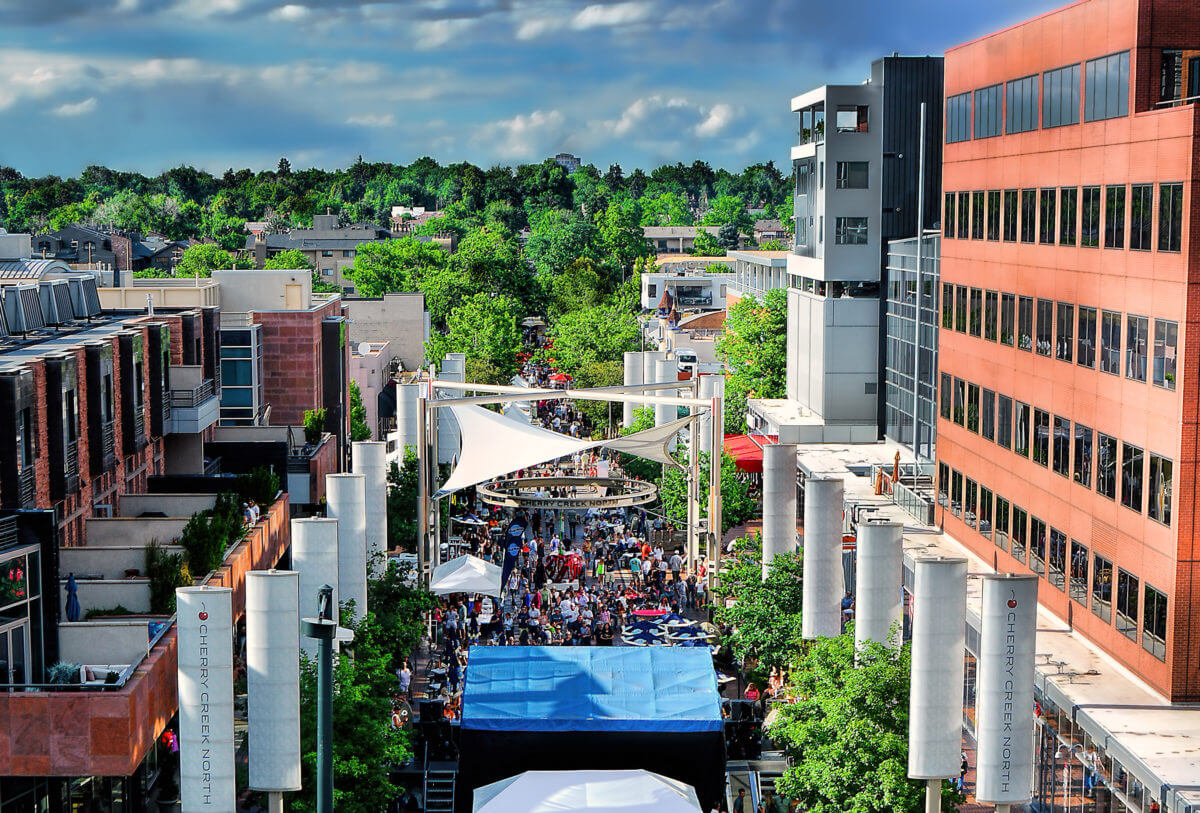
{"x": 577, "y": 492}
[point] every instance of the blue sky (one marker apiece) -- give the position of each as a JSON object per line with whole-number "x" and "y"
{"x": 149, "y": 84}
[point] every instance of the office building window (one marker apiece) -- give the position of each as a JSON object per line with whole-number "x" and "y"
{"x": 960, "y": 402}
{"x": 1056, "y": 558}
{"x": 1083, "y": 455}
{"x": 1114, "y": 217}
{"x": 991, "y": 304}
{"x": 960, "y": 308}
{"x": 1166, "y": 340}
{"x": 1137, "y": 332}
{"x": 1171, "y": 75}
{"x": 1020, "y": 533}
{"x": 851, "y": 231}
{"x": 975, "y": 326}
{"x": 1028, "y": 215}
{"x": 1025, "y": 323}
{"x": 1062, "y": 446}
{"x": 1110, "y": 342}
{"x": 1010, "y": 215}
{"x": 852, "y": 174}
{"x": 977, "y": 208}
{"x": 987, "y": 417}
{"x": 1064, "y": 340}
{"x": 1001, "y": 522}
{"x": 851, "y": 118}
{"x": 1037, "y": 545}
{"x": 944, "y": 394}
{"x": 1170, "y": 217}
{"x": 1161, "y": 480}
{"x": 1079, "y": 572}
{"x": 947, "y": 306}
{"x": 1008, "y": 307}
{"x": 993, "y": 215}
{"x": 985, "y": 512}
{"x": 1060, "y": 97}
{"x": 948, "y": 216}
{"x": 988, "y": 105}
{"x": 1041, "y": 437}
{"x": 1127, "y": 604}
{"x": 1106, "y": 87}
{"x": 1141, "y": 216}
{"x": 970, "y": 506}
{"x": 1132, "y": 466}
{"x": 1085, "y": 346}
{"x": 1154, "y": 623}
{"x": 973, "y": 407}
{"x": 1003, "y": 421}
{"x": 1046, "y": 206}
{"x": 1021, "y": 429}
{"x": 1090, "y": 230}
{"x": 1068, "y": 216}
{"x": 956, "y": 483}
{"x": 943, "y": 485}
{"x": 964, "y": 215}
{"x": 1102, "y": 588}
{"x": 1022, "y": 105}
{"x": 1106, "y": 466}
{"x": 1045, "y": 327}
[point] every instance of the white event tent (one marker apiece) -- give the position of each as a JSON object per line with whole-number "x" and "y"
{"x": 466, "y": 574}
{"x": 634, "y": 791}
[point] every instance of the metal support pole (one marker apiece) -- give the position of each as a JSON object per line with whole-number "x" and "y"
{"x": 435, "y": 553}
{"x": 275, "y": 802}
{"x": 423, "y": 568}
{"x": 693, "y": 481}
{"x": 917, "y": 336}
{"x": 933, "y": 796}
{"x": 323, "y": 628}
{"x": 714, "y": 493}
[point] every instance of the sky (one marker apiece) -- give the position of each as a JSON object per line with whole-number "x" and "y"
{"x": 150, "y": 84}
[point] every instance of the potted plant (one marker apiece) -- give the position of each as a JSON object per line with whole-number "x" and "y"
{"x": 314, "y": 425}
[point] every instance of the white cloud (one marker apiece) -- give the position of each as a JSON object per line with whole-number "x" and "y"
{"x": 76, "y": 108}
{"x": 436, "y": 33}
{"x": 290, "y": 13}
{"x": 534, "y": 27}
{"x": 372, "y": 120}
{"x": 611, "y": 16}
{"x": 524, "y": 136}
{"x": 719, "y": 116}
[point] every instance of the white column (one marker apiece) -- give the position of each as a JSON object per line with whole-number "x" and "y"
{"x": 273, "y": 678}
{"x": 823, "y": 580}
{"x": 707, "y": 389}
{"x": 666, "y": 370}
{"x": 879, "y": 582}
{"x": 345, "y": 496}
{"x": 204, "y": 618}
{"x": 406, "y": 415}
{"x": 315, "y": 559}
{"x": 779, "y": 502}
{"x": 633, "y": 375}
{"x": 935, "y": 697}
{"x": 650, "y": 359}
{"x": 454, "y": 368}
{"x": 370, "y": 460}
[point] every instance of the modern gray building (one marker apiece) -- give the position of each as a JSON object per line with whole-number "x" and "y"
{"x": 912, "y": 341}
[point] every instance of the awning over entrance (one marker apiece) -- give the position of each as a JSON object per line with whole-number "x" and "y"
{"x": 746, "y": 450}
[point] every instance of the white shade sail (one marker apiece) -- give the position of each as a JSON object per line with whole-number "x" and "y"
{"x": 634, "y": 791}
{"x": 466, "y": 574}
{"x": 650, "y": 443}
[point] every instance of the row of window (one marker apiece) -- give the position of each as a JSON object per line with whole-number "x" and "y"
{"x": 1065, "y": 331}
{"x": 1051, "y": 441}
{"x": 1069, "y": 216}
{"x": 1064, "y": 562}
{"x": 1013, "y": 107}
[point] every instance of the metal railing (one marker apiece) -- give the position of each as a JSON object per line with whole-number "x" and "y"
{"x": 192, "y": 397}
{"x": 26, "y": 486}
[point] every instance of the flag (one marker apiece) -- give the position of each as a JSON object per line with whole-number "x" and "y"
{"x": 514, "y": 537}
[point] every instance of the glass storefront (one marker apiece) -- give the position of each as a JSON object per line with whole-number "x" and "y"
{"x": 20, "y": 616}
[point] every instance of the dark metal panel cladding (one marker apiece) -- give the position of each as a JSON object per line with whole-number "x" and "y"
{"x": 31, "y": 304}
{"x": 189, "y": 337}
{"x": 211, "y": 341}
{"x": 126, "y": 341}
{"x": 91, "y": 298}
{"x": 333, "y": 396}
{"x": 16, "y": 394}
{"x": 62, "y": 300}
{"x": 159, "y": 359}
{"x": 61, "y": 378}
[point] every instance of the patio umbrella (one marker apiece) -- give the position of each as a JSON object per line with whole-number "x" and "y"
{"x": 73, "y": 609}
{"x": 645, "y": 638}
{"x": 560, "y": 377}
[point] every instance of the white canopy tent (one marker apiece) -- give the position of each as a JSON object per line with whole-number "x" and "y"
{"x": 466, "y": 574}
{"x": 634, "y": 791}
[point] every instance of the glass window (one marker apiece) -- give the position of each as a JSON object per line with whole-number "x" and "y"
{"x": 987, "y": 417}
{"x": 851, "y": 231}
{"x": 1161, "y": 481}
{"x": 985, "y": 512}
{"x": 991, "y": 304}
{"x": 1090, "y": 230}
{"x": 1083, "y": 455}
{"x": 1079, "y": 572}
{"x": 1069, "y": 216}
{"x": 960, "y": 308}
{"x": 1025, "y": 323}
{"x": 1022, "y": 105}
{"x": 1137, "y": 330}
{"x": 947, "y": 306}
{"x": 1110, "y": 342}
{"x": 993, "y": 215}
{"x": 1008, "y": 307}
{"x": 1114, "y": 217}
{"x": 1132, "y": 466}
{"x": 1064, "y": 339}
{"x": 1102, "y": 588}
{"x": 975, "y": 326}
{"x": 1062, "y": 446}
{"x": 948, "y": 216}
{"x": 1106, "y": 466}
{"x": 1085, "y": 354}
{"x": 1041, "y": 437}
{"x": 1003, "y": 421}
{"x": 1127, "y": 604}
{"x": 1106, "y": 87}
{"x": 956, "y": 482}
{"x": 964, "y": 215}
{"x": 1047, "y": 201}
{"x": 1171, "y": 75}
{"x": 973, "y": 407}
{"x": 1020, "y": 533}
{"x": 1154, "y": 623}
{"x": 1010, "y": 215}
{"x": 1037, "y": 546}
{"x": 851, "y": 118}
{"x": 1021, "y": 429}
{"x": 326, "y": 252}
{"x": 970, "y": 506}
{"x": 943, "y": 485}
{"x": 1001, "y": 522}
{"x": 1141, "y": 216}
{"x": 1060, "y": 97}
{"x": 960, "y": 402}
{"x": 1056, "y": 558}
{"x": 1045, "y": 327}
{"x": 988, "y": 105}
{"x": 1028, "y": 215}
{"x": 1170, "y": 217}
{"x": 852, "y": 174}
{"x": 945, "y": 395}
{"x": 1166, "y": 340}
{"x": 977, "y": 209}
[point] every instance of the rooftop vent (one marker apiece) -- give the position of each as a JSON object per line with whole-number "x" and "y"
{"x": 85, "y": 301}
{"x": 23, "y": 308}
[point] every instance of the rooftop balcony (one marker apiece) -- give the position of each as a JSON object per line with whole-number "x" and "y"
{"x": 194, "y": 402}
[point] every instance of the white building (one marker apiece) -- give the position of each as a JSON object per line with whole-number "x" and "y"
{"x": 690, "y": 288}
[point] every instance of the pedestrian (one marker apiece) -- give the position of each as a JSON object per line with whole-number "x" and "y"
{"x": 600, "y": 569}
{"x": 404, "y": 679}
{"x": 739, "y": 804}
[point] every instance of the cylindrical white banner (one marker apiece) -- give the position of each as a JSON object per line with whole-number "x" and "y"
{"x": 204, "y": 616}
{"x": 273, "y": 678}
{"x": 879, "y": 581}
{"x": 779, "y": 502}
{"x": 1004, "y": 695}
{"x": 345, "y": 496}
{"x": 938, "y": 643}
{"x": 633, "y": 375}
{"x": 823, "y": 579}
{"x": 650, "y": 359}
{"x": 370, "y": 460}
{"x": 315, "y": 558}
{"x": 707, "y": 388}
{"x": 666, "y": 370}
{"x": 406, "y": 415}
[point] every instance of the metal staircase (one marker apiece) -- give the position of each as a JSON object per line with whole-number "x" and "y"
{"x": 439, "y": 791}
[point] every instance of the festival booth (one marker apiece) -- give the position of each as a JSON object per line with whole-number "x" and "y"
{"x": 591, "y": 708}
{"x": 466, "y": 574}
{"x": 591, "y": 791}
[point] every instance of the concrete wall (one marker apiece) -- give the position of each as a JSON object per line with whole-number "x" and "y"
{"x": 370, "y": 373}
{"x": 398, "y": 319}
{"x": 187, "y": 294}
{"x": 110, "y": 562}
{"x": 132, "y": 594}
{"x": 183, "y": 453}
{"x": 104, "y": 642}
{"x": 171, "y": 505}
{"x": 124, "y": 531}
{"x": 833, "y": 355}
{"x": 244, "y": 290}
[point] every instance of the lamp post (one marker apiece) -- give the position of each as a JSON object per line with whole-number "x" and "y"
{"x": 323, "y": 628}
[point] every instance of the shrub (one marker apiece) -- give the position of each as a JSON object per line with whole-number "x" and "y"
{"x": 104, "y": 612}
{"x": 314, "y": 425}
{"x": 63, "y": 673}
{"x": 167, "y": 571}
{"x": 260, "y": 485}
{"x": 208, "y": 534}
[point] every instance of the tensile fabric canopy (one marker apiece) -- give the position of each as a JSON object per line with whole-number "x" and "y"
{"x": 466, "y": 574}
{"x": 634, "y": 791}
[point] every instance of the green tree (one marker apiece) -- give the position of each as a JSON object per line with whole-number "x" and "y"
{"x": 728, "y": 209}
{"x": 485, "y": 328}
{"x": 621, "y": 232}
{"x": 580, "y": 285}
{"x": 639, "y": 467}
{"x": 764, "y": 618}
{"x": 754, "y": 348}
{"x": 202, "y": 259}
{"x": 706, "y": 245}
{"x": 389, "y": 266}
{"x": 600, "y": 374}
{"x": 359, "y": 428}
{"x": 488, "y": 261}
{"x": 728, "y": 237}
{"x": 399, "y": 604}
{"x": 292, "y": 259}
{"x": 402, "y": 503}
{"x": 846, "y": 731}
{"x": 772, "y": 245}
{"x": 666, "y": 209}
{"x": 589, "y": 335}
{"x": 737, "y": 502}
{"x": 559, "y": 237}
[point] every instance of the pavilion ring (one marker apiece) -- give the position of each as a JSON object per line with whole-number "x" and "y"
{"x": 577, "y": 492}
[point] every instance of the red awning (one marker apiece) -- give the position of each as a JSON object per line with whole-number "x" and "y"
{"x": 746, "y": 450}
{"x": 560, "y": 377}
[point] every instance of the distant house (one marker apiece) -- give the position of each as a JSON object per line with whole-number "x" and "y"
{"x": 679, "y": 239}
{"x": 567, "y": 161}
{"x": 770, "y": 230}
{"x": 86, "y": 248}
{"x": 407, "y": 219}
{"x": 329, "y": 247}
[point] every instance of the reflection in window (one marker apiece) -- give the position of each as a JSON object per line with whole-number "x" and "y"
{"x": 991, "y": 304}
{"x": 1025, "y": 323}
{"x": 1062, "y": 446}
{"x": 1064, "y": 339}
{"x": 1079, "y": 572}
{"x": 1041, "y": 437}
{"x": 1001, "y": 522}
{"x": 960, "y": 402}
{"x": 1046, "y": 207}
{"x": 1114, "y": 217}
{"x": 1037, "y": 546}
{"x": 1110, "y": 343}
{"x": 958, "y": 118}
{"x": 1161, "y": 479}
{"x": 993, "y": 215}
{"x": 1060, "y": 97}
{"x": 948, "y": 216}
{"x": 851, "y": 231}
{"x": 1083, "y": 455}
{"x": 1056, "y": 559}
{"x": 1170, "y": 217}
{"x": 1021, "y": 431}
{"x": 1106, "y": 466}
{"x": 960, "y": 308}
{"x": 1028, "y": 215}
{"x": 970, "y": 507}
{"x": 973, "y": 407}
{"x": 1008, "y": 307}
{"x": 987, "y": 417}
{"x": 989, "y": 102}
{"x": 956, "y": 483}
{"x": 1137, "y": 330}
{"x": 852, "y": 174}
{"x": 975, "y": 326}
{"x": 1003, "y": 421}
{"x": 985, "y": 512}
{"x": 1127, "y": 604}
{"x": 947, "y": 306}
{"x": 1141, "y": 216}
{"x": 1045, "y": 327}
{"x": 1090, "y": 229}
{"x": 1106, "y": 87}
{"x": 851, "y": 118}
{"x": 976, "y": 215}
{"x": 1021, "y": 97}
{"x": 1085, "y": 354}
{"x": 1102, "y": 588}
{"x": 964, "y": 215}
{"x": 1010, "y": 215}
{"x": 1166, "y": 340}
{"x": 1020, "y": 533}
{"x": 1069, "y": 218}
{"x": 943, "y": 484}
{"x": 944, "y": 395}
{"x": 1132, "y": 464}
{"x": 1154, "y": 623}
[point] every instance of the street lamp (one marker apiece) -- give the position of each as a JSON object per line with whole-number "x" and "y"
{"x": 323, "y": 628}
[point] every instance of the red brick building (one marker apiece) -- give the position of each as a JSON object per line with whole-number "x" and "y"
{"x": 1067, "y": 438}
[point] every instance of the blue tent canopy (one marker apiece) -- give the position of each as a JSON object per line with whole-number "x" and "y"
{"x": 602, "y": 689}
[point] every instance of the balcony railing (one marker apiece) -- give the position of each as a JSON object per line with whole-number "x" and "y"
{"x": 139, "y": 424}
{"x": 71, "y": 465}
{"x": 192, "y": 397}
{"x": 26, "y": 486}
{"x": 108, "y": 444}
